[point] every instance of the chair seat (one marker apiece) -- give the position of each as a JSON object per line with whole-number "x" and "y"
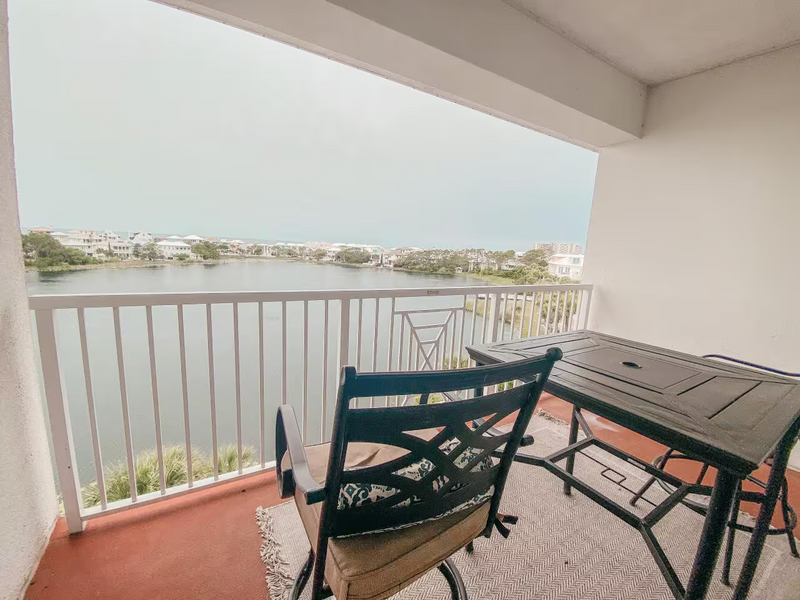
{"x": 376, "y": 566}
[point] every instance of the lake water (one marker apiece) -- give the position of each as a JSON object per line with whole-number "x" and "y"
{"x": 248, "y": 275}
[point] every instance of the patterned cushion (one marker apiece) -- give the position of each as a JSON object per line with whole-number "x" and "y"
{"x": 352, "y": 495}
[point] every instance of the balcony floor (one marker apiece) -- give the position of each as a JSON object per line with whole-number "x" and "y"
{"x": 206, "y": 545}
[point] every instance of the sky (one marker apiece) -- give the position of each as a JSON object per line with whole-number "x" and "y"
{"x": 130, "y": 115}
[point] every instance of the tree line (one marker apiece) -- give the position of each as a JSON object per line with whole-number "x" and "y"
{"x": 532, "y": 267}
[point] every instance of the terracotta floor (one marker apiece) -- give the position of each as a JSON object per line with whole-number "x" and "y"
{"x": 206, "y": 545}
{"x": 201, "y": 546}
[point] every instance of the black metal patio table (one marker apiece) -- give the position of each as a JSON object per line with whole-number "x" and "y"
{"x": 730, "y": 417}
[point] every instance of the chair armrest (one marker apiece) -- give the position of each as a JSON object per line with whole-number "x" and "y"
{"x": 287, "y": 439}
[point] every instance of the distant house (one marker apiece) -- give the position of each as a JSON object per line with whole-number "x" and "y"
{"x": 193, "y": 239}
{"x": 171, "y": 248}
{"x": 141, "y": 238}
{"x": 566, "y": 265}
{"x": 45, "y": 229}
{"x": 79, "y": 244}
{"x": 390, "y": 257}
{"x": 60, "y": 236}
{"x": 121, "y": 248}
{"x": 510, "y": 265}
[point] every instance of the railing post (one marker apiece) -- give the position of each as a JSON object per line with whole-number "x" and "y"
{"x": 496, "y": 324}
{"x": 588, "y": 302}
{"x": 344, "y": 333}
{"x": 60, "y": 427}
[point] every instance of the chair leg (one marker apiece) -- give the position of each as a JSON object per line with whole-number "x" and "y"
{"x": 302, "y": 577}
{"x": 453, "y": 577}
{"x": 726, "y": 566}
{"x": 470, "y": 548}
{"x": 787, "y": 519}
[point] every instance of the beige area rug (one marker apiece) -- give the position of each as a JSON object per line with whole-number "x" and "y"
{"x": 563, "y": 548}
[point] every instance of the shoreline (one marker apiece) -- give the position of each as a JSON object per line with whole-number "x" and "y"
{"x": 142, "y": 264}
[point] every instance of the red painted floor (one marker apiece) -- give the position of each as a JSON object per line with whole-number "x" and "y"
{"x": 200, "y": 546}
{"x": 205, "y": 546}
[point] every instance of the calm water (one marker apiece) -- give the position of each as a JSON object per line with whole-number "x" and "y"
{"x": 237, "y": 276}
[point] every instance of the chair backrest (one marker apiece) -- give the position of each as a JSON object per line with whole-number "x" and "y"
{"x": 449, "y": 469}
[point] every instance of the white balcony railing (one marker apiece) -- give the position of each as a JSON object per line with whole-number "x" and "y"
{"x": 201, "y": 369}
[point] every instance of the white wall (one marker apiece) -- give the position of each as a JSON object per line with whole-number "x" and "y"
{"x": 27, "y": 495}
{"x": 693, "y": 239}
{"x": 715, "y": 182}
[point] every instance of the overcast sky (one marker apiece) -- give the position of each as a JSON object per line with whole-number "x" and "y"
{"x": 129, "y": 115}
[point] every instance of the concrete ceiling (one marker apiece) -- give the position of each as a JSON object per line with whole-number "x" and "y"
{"x": 656, "y": 41}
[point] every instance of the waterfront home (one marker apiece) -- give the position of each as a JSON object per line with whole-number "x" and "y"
{"x": 172, "y": 248}
{"x": 80, "y": 244}
{"x": 120, "y": 248}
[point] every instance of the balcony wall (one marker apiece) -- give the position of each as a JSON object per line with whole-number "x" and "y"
{"x": 693, "y": 234}
{"x": 27, "y": 494}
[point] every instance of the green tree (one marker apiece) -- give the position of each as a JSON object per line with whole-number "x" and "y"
{"x": 137, "y": 251}
{"x": 318, "y": 254}
{"x": 499, "y": 257}
{"x": 43, "y": 251}
{"x": 529, "y": 276}
{"x": 151, "y": 251}
{"x": 534, "y": 258}
{"x": 206, "y": 250}
{"x": 182, "y": 257}
{"x": 257, "y": 250}
{"x": 353, "y": 256}
{"x": 434, "y": 261}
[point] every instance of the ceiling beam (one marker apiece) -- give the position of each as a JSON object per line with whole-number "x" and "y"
{"x": 480, "y": 53}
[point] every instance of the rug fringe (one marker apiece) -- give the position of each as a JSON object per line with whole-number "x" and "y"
{"x": 279, "y": 578}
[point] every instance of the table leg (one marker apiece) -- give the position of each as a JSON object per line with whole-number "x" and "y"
{"x": 478, "y": 390}
{"x": 573, "y": 437}
{"x": 761, "y": 529}
{"x": 713, "y": 532}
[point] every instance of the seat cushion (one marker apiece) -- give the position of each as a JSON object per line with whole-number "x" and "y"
{"x": 378, "y": 565}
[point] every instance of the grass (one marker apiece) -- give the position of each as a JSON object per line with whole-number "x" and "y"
{"x": 556, "y": 312}
{"x": 176, "y": 471}
{"x": 494, "y": 279}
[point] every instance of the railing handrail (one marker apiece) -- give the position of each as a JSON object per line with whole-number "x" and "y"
{"x": 504, "y": 312}
{"x": 59, "y": 301}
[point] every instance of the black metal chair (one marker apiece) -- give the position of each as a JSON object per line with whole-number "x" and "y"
{"x": 787, "y": 511}
{"x": 398, "y": 490}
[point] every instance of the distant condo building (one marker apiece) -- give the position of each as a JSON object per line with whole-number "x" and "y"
{"x": 552, "y": 248}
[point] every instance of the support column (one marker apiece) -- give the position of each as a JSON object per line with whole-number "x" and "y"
{"x": 27, "y": 491}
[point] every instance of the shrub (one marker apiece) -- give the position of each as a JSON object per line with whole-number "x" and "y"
{"x": 175, "y": 471}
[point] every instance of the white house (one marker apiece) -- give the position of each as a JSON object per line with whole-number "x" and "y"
{"x": 121, "y": 248}
{"x": 172, "y": 248}
{"x": 82, "y": 245}
{"x": 566, "y": 265}
{"x": 141, "y": 238}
